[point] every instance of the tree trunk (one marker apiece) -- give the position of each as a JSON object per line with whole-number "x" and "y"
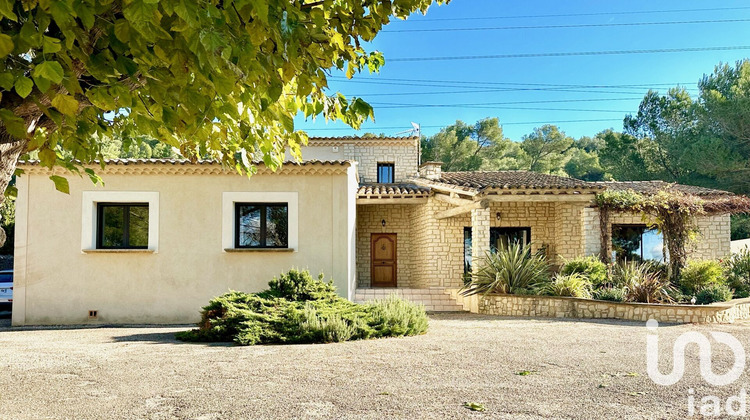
{"x": 10, "y": 149}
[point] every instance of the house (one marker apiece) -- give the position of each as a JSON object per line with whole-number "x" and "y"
{"x": 164, "y": 236}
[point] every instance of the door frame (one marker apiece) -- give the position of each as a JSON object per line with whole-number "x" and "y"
{"x": 395, "y": 257}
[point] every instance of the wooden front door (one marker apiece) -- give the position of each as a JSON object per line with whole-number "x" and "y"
{"x": 383, "y": 256}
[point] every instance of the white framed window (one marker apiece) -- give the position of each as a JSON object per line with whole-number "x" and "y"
{"x": 128, "y": 214}
{"x": 239, "y": 229}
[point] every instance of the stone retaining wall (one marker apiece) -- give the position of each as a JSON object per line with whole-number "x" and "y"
{"x": 567, "y": 307}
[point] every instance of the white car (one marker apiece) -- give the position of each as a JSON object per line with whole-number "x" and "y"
{"x": 6, "y": 287}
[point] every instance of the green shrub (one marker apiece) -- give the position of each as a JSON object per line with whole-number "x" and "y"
{"x": 678, "y": 296}
{"x": 737, "y": 270}
{"x": 396, "y": 317}
{"x": 714, "y": 293}
{"x": 573, "y": 285}
{"x": 612, "y": 294}
{"x": 590, "y": 267}
{"x": 698, "y": 275}
{"x": 512, "y": 270}
{"x": 641, "y": 284}
{"x": 315, "y": 315}
{"x": 301, "y": 286}
{"x": 317, "y": 328}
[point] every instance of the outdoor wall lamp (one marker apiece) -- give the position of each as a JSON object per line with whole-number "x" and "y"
{"x": 382, "y": 222}
{"x": 497, "y": 216}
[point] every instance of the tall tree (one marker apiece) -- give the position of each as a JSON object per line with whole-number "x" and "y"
{"x": 545, "y": 147}
{"x": 725, "y": 106}
{"x": 626, "y": 157}
{"x": 669, "y": 123}
{"x": 463, "y": 147}
{"x": 584, "y": 165}
{"x": 219, "y": 78}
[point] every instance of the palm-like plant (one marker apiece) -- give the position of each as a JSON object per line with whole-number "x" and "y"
{"x": 511, "y": 270}
{"x": 642, "y": 284}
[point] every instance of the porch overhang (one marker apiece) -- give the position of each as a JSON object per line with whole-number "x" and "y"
{"x": 392, "y": 194}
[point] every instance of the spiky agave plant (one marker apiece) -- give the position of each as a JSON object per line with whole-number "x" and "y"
{"x": 511, "y": 270}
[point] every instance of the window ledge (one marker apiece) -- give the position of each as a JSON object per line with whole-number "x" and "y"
{"x": 119, "y": 251}
{"x": 258, "y": 249}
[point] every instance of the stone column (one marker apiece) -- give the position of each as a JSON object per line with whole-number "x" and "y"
{"x": 480, "y": 236}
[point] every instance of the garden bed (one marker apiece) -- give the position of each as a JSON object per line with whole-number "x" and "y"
{"x": 570, "y": 307}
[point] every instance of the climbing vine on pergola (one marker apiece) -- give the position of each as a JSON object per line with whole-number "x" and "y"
{"x": 670, "y": 211}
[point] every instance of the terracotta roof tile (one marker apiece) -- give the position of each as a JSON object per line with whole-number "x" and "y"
{"x": 481, "y": 180}
{"x": 200, "y": 162}
{"x": 651, "y": 187}
{"x": 391, "y": 189}
{"x": 355, "y": 138}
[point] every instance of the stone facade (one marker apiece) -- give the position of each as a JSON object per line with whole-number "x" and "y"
{"x": 591, "y": 232}
{"x": 569, "y": 241}
{"x": 567, "y": 307}
{"x": 713, "y": 240}
{"x": 403, "y": 153}
{"x": 439, "y": 246}
{"x": 480, "y": 237}
{"x": 404, "y": 159}
{"x": 398, "y": 219}
{"x": 431, "y": 251}
{"x": 540, "y": 217}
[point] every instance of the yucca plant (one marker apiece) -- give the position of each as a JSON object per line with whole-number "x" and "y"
{"x": 573, "y": 285}
{"x": 511, "y": 270}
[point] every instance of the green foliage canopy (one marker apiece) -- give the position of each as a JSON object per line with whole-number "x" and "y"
{"x": 221, "y": 79}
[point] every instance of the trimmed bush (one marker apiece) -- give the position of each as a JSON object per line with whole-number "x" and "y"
{"x": 737, "y": 270}
{"x": 510, "y": 270}
{"x": 714, "y": 293}
{"x": 573, "y": 285}
{"x": 590, "y": 267}
{"x": 300, "y": 309}
{"x": 698, "y": 275}
{"x": 611, "y": 294}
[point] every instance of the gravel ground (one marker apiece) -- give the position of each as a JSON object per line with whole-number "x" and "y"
{"x": 577, "y": 369}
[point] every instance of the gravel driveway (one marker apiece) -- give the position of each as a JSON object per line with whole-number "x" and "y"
{"x": 572, "y": 369}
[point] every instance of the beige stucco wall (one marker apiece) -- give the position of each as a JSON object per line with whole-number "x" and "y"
{"x": 56, "y": 283}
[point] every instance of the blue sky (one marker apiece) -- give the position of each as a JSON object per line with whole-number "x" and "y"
{"x": 419, "y": 91}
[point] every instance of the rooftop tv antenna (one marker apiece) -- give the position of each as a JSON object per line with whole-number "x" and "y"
{"x": 415, "y": 130}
